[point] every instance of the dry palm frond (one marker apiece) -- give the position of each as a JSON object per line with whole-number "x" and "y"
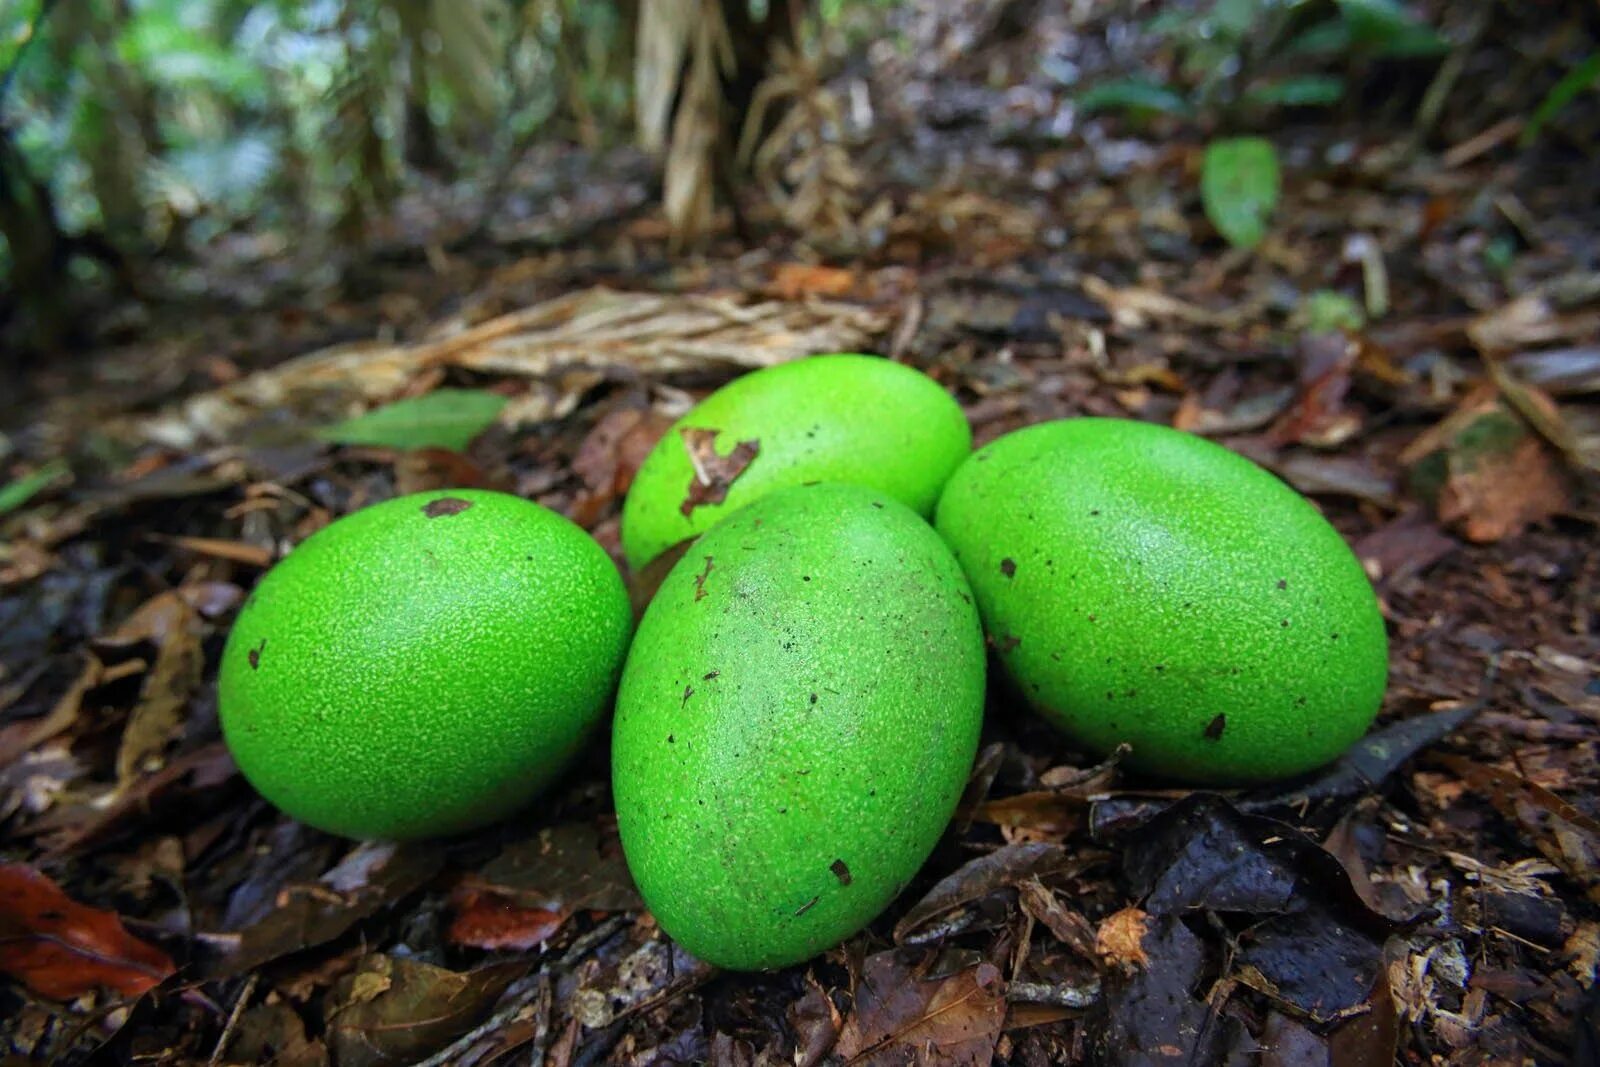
{"x": 684, "y": 52}
{"x": 563, "y": 347}
{"x": 803, "y": 164}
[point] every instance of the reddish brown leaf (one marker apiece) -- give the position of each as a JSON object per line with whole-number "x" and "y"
{"x": 714, "y": 474}
{"x": 489, "y": 920}
{"x": 610, "y": 456}
{"x": 795, "y": 281}
{"x": 1487, "y": 471}
{"x": 63, "y": 949}
{"x": 1317, "y": 415}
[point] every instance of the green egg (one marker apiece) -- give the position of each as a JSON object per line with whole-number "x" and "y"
{"x": 796, "y": 722}
{"x": 1149, "y": 587}
{"x": 863, "y": 420}
{"x": 423, "y": 666}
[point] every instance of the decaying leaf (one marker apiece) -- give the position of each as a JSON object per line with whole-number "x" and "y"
{"x": 1314, "y": 941}
{"x": 714, "y": 474}
{"x": 902, "y": 1017}
{"x": 394, "y": 1010}
{"x": 274, "y": 1033}
{"x": 1487, "y": 470}
{"x": 63, "y": 949}
{"x": 1566, "y": 836}
{"x": 1155, "y": 1010}
{"x": 371, "y": 877}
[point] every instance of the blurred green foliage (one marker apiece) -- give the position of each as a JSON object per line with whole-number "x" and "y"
{"x": 155, "y": 121}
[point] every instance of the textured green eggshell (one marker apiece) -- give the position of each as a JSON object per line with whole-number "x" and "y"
{"x": 1147, "y": 586}
{"x": 424, "y": 665}
{"x": 797, "y": 719}
{"x": 858, "y": 419}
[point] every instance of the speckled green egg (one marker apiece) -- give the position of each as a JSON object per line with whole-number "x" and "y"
{"x": 1148, "y": 586}
{"x": 797, "y": 719}
{"x": 424, "y": 665}
{"x": 863, "y": 420}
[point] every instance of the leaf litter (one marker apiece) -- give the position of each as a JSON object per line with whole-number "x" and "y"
{"x": 1431, "y": 896}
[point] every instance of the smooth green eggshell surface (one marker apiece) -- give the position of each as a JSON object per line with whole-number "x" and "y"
{"x": 424, "y": 665}
{"x": 1147, "y": 586}
{"x": 858, "y": 419}
{"x": 797, "y": 719}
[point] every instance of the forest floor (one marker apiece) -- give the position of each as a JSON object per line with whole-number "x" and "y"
{"x": 1435, "y": 896}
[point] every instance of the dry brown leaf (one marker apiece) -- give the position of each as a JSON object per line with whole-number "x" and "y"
{"x": 1119, "y": 939}
{"x": 170, "y": 624}
{"x": 1489, "y": 473}
{"x": 901, "y": 1017}
{"x": 1502, "y": 494}
{"x": 795, "y": 281}
{"x": 1528, "y": 321}
{"x": 714, "y": 474}
{"x": 18, "y": 738}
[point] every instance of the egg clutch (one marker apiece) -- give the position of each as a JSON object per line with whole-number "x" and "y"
{"x": 800, "y": 706}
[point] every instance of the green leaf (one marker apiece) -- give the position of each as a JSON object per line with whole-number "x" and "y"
{"x": 1387, "y": 29}
{"x": 444, "y": 418}
{"x": 1326, "y": 311}
{"x": 1133, "y": 94}
{"x": 1323, "y": 40}
{"x": 1239, "y": 186}
{"x": 1307, "y": 90}
{"x": 24, "y": 489}
{"x": 1561, "y": 94}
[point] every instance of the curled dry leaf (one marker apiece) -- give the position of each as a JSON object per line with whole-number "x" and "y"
{"x": 1119, "y": 940}
{"x": 978, "y": 878}
{"x": 168, "y": 622}
{"x": 63, "y": 949}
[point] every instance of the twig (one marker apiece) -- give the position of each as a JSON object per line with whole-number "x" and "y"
{"x": 233, "y": 1019}
{"x": 1438, "y": 91}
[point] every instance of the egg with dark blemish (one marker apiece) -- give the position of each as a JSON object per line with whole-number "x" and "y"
{"x": 1130, "y": 569}
{"x": 859, "y": 419}
{"x": 423, "y": 666}
{"x": 838, "y": 665}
